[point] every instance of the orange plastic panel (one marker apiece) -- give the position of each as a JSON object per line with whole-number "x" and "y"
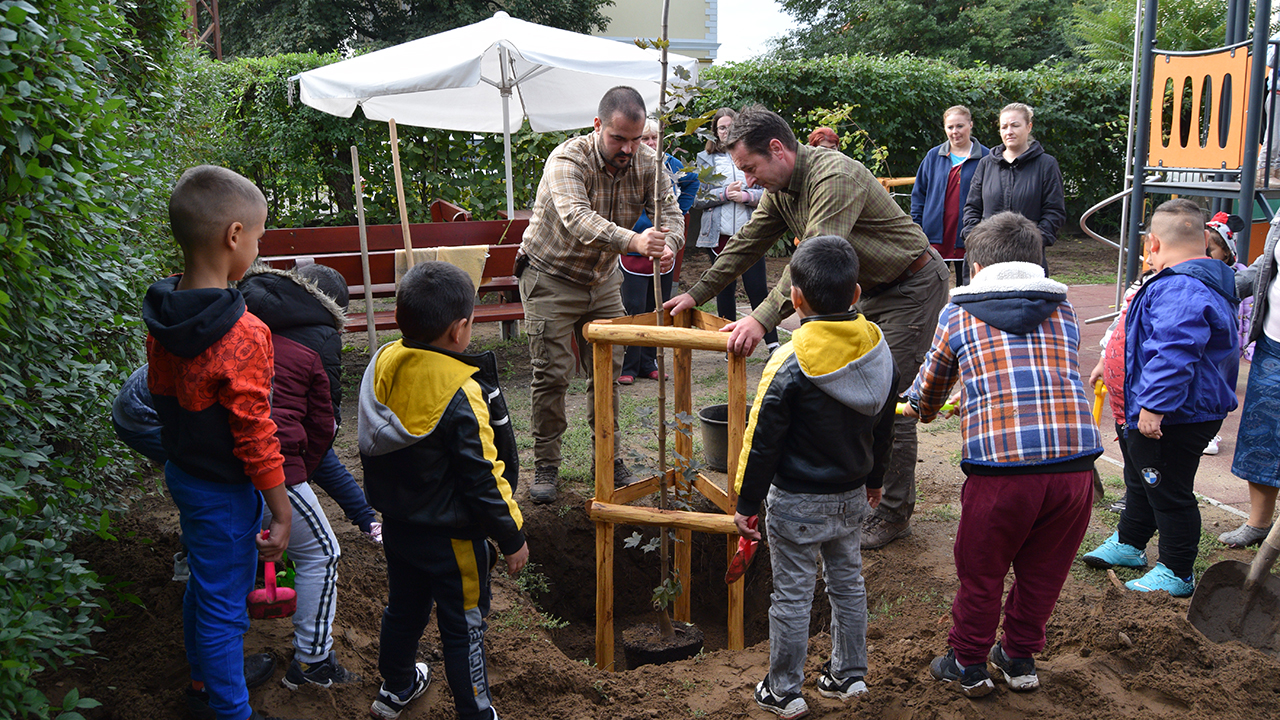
{"x": 1170, "y": 151}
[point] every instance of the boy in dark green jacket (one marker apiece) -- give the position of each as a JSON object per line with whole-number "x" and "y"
{"x": 440, "y": 464}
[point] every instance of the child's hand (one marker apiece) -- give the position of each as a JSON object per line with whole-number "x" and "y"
{"x": 873, "y": 497}
{"x": 273, "y": 541}
{"x": 517, "y": 560}
{"x": 747, "y": 525}
{"x": 1095, "y": 374}
{"x": 906, "y": 411}
{"x": 1149, "y": 424}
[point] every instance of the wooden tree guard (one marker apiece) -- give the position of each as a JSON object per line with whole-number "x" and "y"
{"x": 693, "y": 330}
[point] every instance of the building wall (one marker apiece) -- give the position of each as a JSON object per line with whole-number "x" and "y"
{"x": 691, "y": 24}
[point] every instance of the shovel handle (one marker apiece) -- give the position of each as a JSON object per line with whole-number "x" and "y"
{"x": 269, "y": 574}
{"x": 1265, "y": 558}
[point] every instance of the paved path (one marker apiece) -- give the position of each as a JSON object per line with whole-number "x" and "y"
{"x": 1214, "y": 479}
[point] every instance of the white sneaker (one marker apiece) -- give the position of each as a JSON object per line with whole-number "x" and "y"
{"x": 1212, "y": 447}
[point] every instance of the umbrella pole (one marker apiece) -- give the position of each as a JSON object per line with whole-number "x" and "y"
{"x": 404, "y": 211}
{"x": 506, "y": 131}
{"x": 364, "y": 252}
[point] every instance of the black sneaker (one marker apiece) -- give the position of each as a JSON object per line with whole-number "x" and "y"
{"x": 974, "y": 680}
{"x": 388, "y": 705}
{"x": 323, "y": 673}
{"x": 1020, "y": 673}
{"x": 831, "y": 686}
{"x": 198, "y": 704}
{"x": 786, "y": 707}
{"x": 545, "y": 479}
{"x": 258, "y": 669}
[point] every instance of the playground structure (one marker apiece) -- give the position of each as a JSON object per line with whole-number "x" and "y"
{"x": 692, "y": 330}
{"x": 1196, "y": 121}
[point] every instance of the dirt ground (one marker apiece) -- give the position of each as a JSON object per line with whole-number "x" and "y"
{"x": 1110, "y": 653}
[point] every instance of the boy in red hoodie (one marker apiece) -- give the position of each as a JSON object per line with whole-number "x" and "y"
{"x": 210, "y": 378}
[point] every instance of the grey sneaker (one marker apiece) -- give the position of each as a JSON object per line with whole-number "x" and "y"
{"x": 545, "y": 479}
{"x": 831, "y": 686}
{"x": 1244, "y": 536}
{"x": 878, "y": 532}
{"x": 1020, "y": 673}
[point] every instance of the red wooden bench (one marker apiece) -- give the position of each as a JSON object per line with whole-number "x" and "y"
{"x": 339, "y": 248}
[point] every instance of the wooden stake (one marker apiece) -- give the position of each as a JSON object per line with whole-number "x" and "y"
{"x": 364, "y": 252}
{"x": 404, "y": 211}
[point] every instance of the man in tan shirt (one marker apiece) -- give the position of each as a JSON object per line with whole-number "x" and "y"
{"x": 593, "y": 189}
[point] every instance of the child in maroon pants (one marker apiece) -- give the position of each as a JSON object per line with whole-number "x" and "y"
{"x": 1011, "y": 338}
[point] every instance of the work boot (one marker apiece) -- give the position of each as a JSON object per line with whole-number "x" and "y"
{"x": 545, "y": 480}
{"x": 622, "y": 476}
{"x": 878, "y": 532}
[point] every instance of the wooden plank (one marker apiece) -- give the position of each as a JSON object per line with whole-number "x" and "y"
{"x": 706, "y": 321}
{"x": 629, "y": 515}
{"x": 737, "y": 419}
{"x": 713, "y": 492}
{"x": 345, "y": 238}
{"x": 604, "y": 596}
{"x": 634, "y": 491}
{"x": 671, "y": 337}
{"x": 737, "y": 639}
{"x": 684, "y": 571}
{"x": 486, "y": 312}
{"x": 602, "y": 373}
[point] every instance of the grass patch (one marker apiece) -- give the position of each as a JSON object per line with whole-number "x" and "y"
{"x": 940, "y": 425}
{"x": 1086, "y": 278}
{"x": 945, "y": 513}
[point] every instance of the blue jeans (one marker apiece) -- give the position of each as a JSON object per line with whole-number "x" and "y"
{"x": 219, "y": 523}
{"x": 802, "y": 529}
{"x": 333, "y": 477}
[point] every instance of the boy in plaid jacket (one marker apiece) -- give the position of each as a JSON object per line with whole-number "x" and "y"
{"x": 1011, "y": 339}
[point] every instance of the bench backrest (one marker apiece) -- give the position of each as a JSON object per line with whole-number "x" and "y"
{"x": 309, "y": 242}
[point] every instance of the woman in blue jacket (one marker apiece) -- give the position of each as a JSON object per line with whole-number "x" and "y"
{"x": 942, "y": 185}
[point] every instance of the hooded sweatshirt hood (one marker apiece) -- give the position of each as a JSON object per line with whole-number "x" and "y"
{"x": 1215, "y": 274}
{"x": 284, "y": 300}
{"x": 187, "y": 323}
{"x": 846, "y": 357}
{"x": 1014, "y": 297}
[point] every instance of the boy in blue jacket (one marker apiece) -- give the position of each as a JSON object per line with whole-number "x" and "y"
{"x": 1182, "y": 354}
{"x": 817, "y": 445}
{"x": 440, "y": 464}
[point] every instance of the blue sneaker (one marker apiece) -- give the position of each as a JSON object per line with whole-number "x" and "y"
{"x": 1113, "y": 552}
{"x": 1162, "y": 578}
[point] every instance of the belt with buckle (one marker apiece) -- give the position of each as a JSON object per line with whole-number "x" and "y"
{"x": 912, "y": 269}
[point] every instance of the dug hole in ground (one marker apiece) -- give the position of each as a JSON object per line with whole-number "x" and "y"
{"x": 1110, "y": 653}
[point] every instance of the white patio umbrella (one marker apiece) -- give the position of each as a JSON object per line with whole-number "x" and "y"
{"x": 464, "y": 79}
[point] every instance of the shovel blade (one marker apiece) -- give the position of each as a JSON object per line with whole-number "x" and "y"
{"x": 1223, "y": 611}
{"x": 741, "y": 560}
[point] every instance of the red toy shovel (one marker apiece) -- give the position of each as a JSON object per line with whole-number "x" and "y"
{"x": 271, "y": 601}
{"x": 746, "y": 552}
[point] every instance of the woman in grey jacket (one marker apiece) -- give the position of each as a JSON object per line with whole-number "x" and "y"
{"x": 726, "y": 205}
{"x": 1018, "y": 176}
{"x": 1255, "y": 459}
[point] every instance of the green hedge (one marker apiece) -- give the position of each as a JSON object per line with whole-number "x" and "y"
{"x": 300, "y": 156}
{"x": 1080, "y": 116}
{"x": 81, "y": 87}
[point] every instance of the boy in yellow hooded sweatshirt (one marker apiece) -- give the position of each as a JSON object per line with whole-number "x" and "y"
{"x": 817, "y": 446}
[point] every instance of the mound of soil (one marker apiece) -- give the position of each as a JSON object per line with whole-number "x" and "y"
{"x": 1110, "y": 653}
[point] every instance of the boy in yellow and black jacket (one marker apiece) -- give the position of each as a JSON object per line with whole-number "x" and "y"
{"x": 440, "y": 464}
{"x": 817, "y": 444}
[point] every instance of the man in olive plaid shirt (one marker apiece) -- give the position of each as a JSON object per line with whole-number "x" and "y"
{"x": 812, "y": 192}
{"x": 593, "y": 189}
